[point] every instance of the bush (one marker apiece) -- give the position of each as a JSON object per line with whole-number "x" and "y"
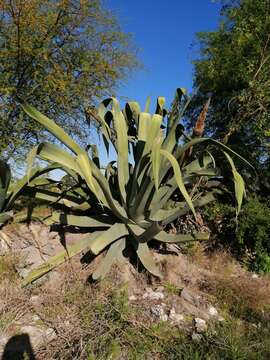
{"x": 248, "y": 236}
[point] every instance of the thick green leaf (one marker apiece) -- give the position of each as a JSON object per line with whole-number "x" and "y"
{"x": 147, "y": 104}
{"x": 204, "y": 200}
{"x": 81, "y": 221}
{"x": 5, "y": 216}
{"x": 113, "y": 254}
{"x": 20, "y": 185}
{"x": 53, "y": 128}
{"x": 179, "y": 178}
{"x": 146, "y": 258}
{"x": 5, "y": 176}
{"x": 239, "y": 184}
{"x": 60, "y": 258}
{"x": 122, "y": 148}
{"x": 106, "y": 238}
{"x": 179, "y": 238}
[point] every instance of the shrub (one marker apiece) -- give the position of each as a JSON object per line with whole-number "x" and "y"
{"x": 248, "y": 236}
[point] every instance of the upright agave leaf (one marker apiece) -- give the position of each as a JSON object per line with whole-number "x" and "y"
{"x": 152, "y": 183}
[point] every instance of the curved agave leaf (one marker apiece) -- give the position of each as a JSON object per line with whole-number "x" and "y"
{"x": 60, "y": 258}
{"x": 146, "y": 259}
{"x": 204, "y": 200}
{"x": 181, "y": 238}
{"x": 115, "y": 232}
{"x": 81, "y": 221}
{"x": 114, "y": 253}
{"x": 179, "y": 179}
{"x": 20, "y": 185}
{"x": 5, "y": 216}
{"x": 239, "y": 184}
{"x": 122, "y": 148}
{"x": 218, "y": 144}
{"x": 53, "y": 128}
{"x": 5, "y": 176}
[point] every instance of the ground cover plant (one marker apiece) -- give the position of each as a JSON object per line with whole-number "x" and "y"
{"x": 158, "y": 177}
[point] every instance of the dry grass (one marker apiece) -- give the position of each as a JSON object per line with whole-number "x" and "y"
{"x": 96, "y": 321}
{"x": 234, "y": 288}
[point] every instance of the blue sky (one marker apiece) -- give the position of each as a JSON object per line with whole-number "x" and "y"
{"x": 164, "y": 31}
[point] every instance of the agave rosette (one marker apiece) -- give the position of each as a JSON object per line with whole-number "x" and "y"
{"x": 130, "y": 202}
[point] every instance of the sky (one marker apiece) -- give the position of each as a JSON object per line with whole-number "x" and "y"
{"x": 164, "y": 31}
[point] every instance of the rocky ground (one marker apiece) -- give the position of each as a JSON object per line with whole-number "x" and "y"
{"x": 65, "y": 316}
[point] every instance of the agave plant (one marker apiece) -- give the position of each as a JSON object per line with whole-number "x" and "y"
{"x": 130, "y": 202}
{"x": 5, "y": 176}
{"x": 9, "y": 192}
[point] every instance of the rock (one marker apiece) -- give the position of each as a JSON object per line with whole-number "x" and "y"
{"x": 35, "y": 318}
{"x": 158, "y": 311}
{"x": 174, "y": 317}
{"x": 3, "y": 340}
{"x": 38, "y": 335}
{"x": 212, "y": 311}
{"x": 156, "y": 295}
{"x": 189, "y": 297}
{"x": 200, "y": 325}
{"x": 23, "y": 272}
{"x": 35, "y": 299}
{"x": 132, "y": 298}
{"x": 145, "y": 295}
{"x": 196, "y": 337}
{"x": 5, "y": 243}
{"x": 153, "y": 295}
{"x": 255, "y": 276}
{"x": 160, "y": 288}
{"x": 220, "y": 318}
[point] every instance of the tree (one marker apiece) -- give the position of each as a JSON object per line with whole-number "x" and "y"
{"x": 233, "y": 69}
{"x": 60, "y": 56}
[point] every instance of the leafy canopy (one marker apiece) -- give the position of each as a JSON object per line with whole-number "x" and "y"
{"x": 60, "y": 56}
{"x": 234, "y": 69}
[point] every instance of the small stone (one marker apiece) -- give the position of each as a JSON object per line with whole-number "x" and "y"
{"x": 35, "y": 300}
{"x": 220, "y": 318}
{"x": 23, "y": 272}
{"x": 38, "y": 335}
{"x": 254, "y": 276}
{"x": 156, "y": 295}
{"x": 145, "y": 295}
{"x": 164, "y": 317}
{"x": 159, "y": 312}
{"x": 177, "y": 318}
{"x": 3, "y": 340}
{"x": 132, "y": 298}
{"x": 172, "y": 312}
{"x": 196, "y": 337}
{"x": 148, "y": 289}
{"x": 189, "y": 297}
{"x": 3, "y": 247}
{"x": 200, "y": 325}
{"x": 160, "y": 288}
{"x": 35, "y": 318}
{"x": 212, "y": 311}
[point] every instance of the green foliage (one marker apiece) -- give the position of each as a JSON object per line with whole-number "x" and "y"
{"x": 254, "y": 231}
{"x": 5, "y": 176}
{"x": 248, "y": 238}
{"x": 234, "y": 69}
{"x": 131, "y": 203}
{"x": 9, "y": 192}
{"x": 60, "y": 56}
